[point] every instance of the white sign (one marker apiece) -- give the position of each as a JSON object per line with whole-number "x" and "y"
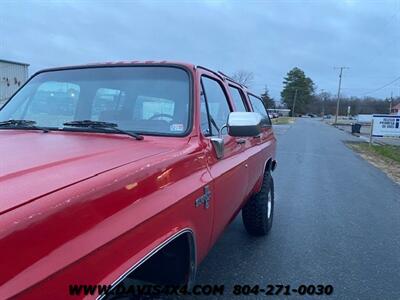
{"x": 364, "y": 118}
{"x": 386, "y": 125}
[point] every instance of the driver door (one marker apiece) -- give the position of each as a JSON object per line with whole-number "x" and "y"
{"x": 229, "y": 173}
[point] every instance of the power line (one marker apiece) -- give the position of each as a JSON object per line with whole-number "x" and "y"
{"x": 382, "y": 87}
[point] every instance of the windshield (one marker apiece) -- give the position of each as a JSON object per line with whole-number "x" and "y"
{"x": 147, "y": 100}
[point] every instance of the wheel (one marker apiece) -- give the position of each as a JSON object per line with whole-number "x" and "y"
{"x": 258, "y": 212}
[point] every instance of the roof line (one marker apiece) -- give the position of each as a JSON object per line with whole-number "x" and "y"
{"x": 232, "y": 80}
{"x": 13, "y": 62}
{"x": 211, "y": 71}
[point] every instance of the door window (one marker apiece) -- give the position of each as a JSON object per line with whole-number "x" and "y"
{"x": 204, "y": 121}
{"x": 216, "y": 104}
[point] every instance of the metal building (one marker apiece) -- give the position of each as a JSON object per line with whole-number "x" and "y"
{"x": 12, "y": 76}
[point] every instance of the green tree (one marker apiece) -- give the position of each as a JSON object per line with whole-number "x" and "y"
{"x": 296, "y": 80}
{"x": 268, "y": 101}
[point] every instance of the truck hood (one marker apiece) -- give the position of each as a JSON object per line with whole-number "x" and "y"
{"x": 33, "y": 163}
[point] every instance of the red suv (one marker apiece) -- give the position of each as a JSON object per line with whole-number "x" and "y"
{"x": 121, "y": 171}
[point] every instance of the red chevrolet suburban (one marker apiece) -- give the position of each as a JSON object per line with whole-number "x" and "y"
{"x": 128, "y": 170}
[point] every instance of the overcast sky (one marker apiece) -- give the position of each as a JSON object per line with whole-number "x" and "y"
{"x": 267, "y": 38}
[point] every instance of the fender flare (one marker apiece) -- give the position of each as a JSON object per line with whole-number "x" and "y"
{"x": 269, "y": 164}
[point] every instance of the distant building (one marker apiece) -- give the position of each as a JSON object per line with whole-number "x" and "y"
{"x": 396, "y": 109}
{"x": 12, "y": 76}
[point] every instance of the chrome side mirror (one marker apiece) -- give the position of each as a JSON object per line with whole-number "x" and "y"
{"x": 244, "y": 124}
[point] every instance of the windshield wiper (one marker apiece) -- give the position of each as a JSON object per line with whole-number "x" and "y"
{"x": 102, "y": 125}
{"x": 21, "y": 124}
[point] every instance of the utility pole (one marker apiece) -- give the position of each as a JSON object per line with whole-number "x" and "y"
{"x": 323, "y": 102}
{"x": 294, "y": 102}
{"x": 338, "y": 93}
{"x": 390, "y": 102}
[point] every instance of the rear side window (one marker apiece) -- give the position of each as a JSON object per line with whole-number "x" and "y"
{"x": 147, "y": 108}
{"x": 258, "y": 106}
{"x": 53, "y": 103}
{"x": 237, "y": 99}
{"x": 105, "y": 100}
{"x": 216, "y": 104}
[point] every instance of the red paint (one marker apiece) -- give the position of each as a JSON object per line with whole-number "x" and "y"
{"x": 84, "y": 207}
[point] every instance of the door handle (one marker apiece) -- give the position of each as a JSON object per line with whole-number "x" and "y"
{"x": 241, "y": 141}
{"x": 257, "y": 136}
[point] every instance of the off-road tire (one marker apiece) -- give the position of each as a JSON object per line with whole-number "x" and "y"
{"x": 255, "y": 212}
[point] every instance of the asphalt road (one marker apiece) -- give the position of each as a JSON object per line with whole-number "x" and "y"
{"x": 337, "y": 221}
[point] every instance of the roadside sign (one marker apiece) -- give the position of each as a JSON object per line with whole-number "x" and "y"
{"x": 364, "y": 118}
{"x": 386, "y": 125}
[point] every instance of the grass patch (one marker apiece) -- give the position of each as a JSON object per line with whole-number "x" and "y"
{"x": 282, "y": 120}
{"x": 384, "y": 157}
{"x": 391, "y": 152}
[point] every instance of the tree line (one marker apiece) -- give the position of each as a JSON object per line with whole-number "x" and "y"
{"x": 299, "y": 92}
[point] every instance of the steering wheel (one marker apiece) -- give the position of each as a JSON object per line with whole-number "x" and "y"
{"x": 157, "y": 116}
